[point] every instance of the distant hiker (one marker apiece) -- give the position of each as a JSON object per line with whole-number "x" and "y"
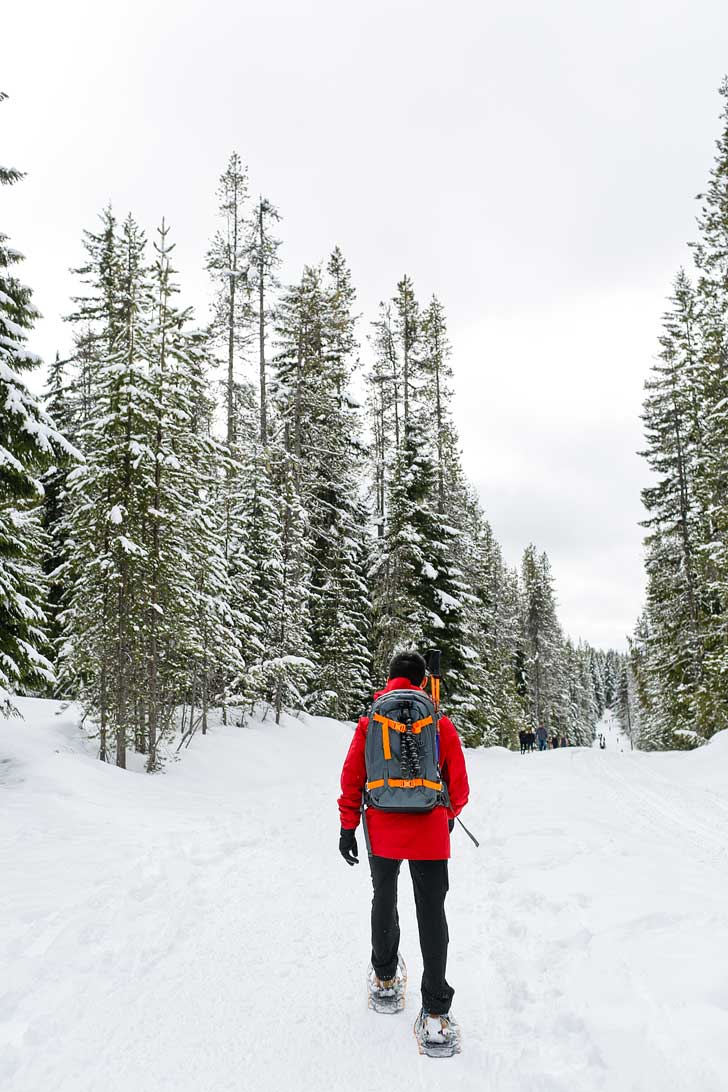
{"x": 564, "y": 741}
{"x": 602, "y": 743}
{"x": 554, "y": 743}
{"x": 531, "y": 740}
{"x": 391, "y": 738}
{"x": 523, "y": 740}
{"x": 542, "y": 738}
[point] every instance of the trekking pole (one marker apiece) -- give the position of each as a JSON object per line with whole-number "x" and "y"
{"x": 433, "y": 660}
{"x": 470, "y": 836}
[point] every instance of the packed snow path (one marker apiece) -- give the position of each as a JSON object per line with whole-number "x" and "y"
{"x": 198, "y": 931}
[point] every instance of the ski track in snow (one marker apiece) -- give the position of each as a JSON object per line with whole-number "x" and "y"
{"x": 198, "y": 932}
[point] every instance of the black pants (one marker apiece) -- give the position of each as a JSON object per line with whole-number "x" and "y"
{"x": 430, "y": 883}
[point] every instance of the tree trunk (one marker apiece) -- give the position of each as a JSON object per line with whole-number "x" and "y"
{"x": 121, "y": 687}
{"x": 438, "y": 415}
{"x": 103, "y": 716}
{"x": 695, "y": 651}
{"x": 232, "y": 280}
{"x": 261, "y": 327}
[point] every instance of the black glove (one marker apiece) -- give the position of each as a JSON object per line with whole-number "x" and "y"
{"x": 347, "y": 846}
{"x": 451, "y": 825}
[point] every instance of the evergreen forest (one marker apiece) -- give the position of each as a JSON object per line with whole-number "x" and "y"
{"x": 257, "y": 503}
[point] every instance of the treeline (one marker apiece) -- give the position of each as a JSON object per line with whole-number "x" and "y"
{"x": 215, "y": 515}
{"x": 674, "y": 688}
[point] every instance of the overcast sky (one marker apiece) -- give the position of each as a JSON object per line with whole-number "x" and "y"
{"x": 534, "y": 164}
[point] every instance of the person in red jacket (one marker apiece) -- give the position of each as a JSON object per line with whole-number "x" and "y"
{"x": 421, "y": 839}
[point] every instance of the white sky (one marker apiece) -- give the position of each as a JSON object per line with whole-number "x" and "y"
{"x": 534, "y": 164}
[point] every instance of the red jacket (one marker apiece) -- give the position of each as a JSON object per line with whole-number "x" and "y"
{"x": 405, "y": 837}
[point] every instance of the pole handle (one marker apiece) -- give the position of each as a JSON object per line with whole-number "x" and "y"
{"x": 433, "y": 660}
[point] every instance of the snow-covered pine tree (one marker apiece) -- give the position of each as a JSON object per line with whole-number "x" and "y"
{"x": 596, "y": 680}
{"x": 261, "y": 252}
{"x": 401, "y": 568}
{"x": 147, "y": 622}
{"x": 489, "y": 710}
{"x": 437, "y": 373}
{"x": 459, "y": 520}
{"x": 29, "y": 443}
{"x": 315, "y": 363}
{"x": 584, "y": 701}
{"x": 626, "y": 702}
{"x": 340, "y": 611}
{"x": 290, "y": 670}
{"x": 59, "y": 403}
{"x": 543, "y": 651}
{"x": 228, "y": 264}
{"x": 190, "y": 644}
{"x": 612, "y": 670}
{"x": 409, "y": 563}
{"x": 256, "y": 564}
{"x": 407, "y": 327}
{"x": 215, "y": 628}
{"x": 108, "y": 602}
{"x": 417, "y": 591}
{"x": 383, "y": 394}
{"x": 711, "y": 477}
{"x": 675, "y": 522}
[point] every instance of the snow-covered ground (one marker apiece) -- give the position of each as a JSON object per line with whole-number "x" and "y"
{"x": 198, "y": 931}
{"x": 614, "y": 737}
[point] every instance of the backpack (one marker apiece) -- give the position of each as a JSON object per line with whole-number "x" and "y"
{"x": 402, "y": 754}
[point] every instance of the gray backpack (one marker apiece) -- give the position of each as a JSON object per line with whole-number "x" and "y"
{"x": 402, "y": 754}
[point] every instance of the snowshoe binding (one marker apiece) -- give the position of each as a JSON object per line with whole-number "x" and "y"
{"x": 437, "y": 1036}
{"x": 387, "y": 994}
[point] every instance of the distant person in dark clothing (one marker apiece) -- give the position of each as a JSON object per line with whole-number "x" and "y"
{"x": 564, "y": 741}
{"x": 523, "y": 740}
{"x": 542, "y": 738}
{"x": 531, "y": 740}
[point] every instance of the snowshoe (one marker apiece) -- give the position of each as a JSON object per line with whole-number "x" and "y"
{"x": 437, "y": 1036}
{"x": 387, "y": 995}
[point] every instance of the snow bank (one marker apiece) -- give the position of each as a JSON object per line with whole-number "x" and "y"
{"x": 197, "y": 931}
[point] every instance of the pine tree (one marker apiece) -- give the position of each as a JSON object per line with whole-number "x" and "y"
{"x": 147, "y": 620}
{"x": 438, "y": 372}
{"x": 185, "y": 622}
{"x": 262, "y": 256}
{"x": 711, "y": 258}
{"x": 59, "y": 402}
{"x": 414, "y": 598}
{"x": 489, "y": 709}
{"x": 290, "y": 669}
{"x": 256, "y": 565}
{"x": 314, "y": 368}
{"x": 105, "y": 616}
{"x": 383, "y": 397}
{"x": 228, "y": 264}
{"x": 675, "y": 521}
{"x": 29, "y": 443}
{"x": 407, "y": 326}
{"x": 543, "y": 651}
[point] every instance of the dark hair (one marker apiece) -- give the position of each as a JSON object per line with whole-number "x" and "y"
{"x": 408, "y": 665}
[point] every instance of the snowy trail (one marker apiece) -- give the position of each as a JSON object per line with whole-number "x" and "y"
{"x": 198, "y": 931}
